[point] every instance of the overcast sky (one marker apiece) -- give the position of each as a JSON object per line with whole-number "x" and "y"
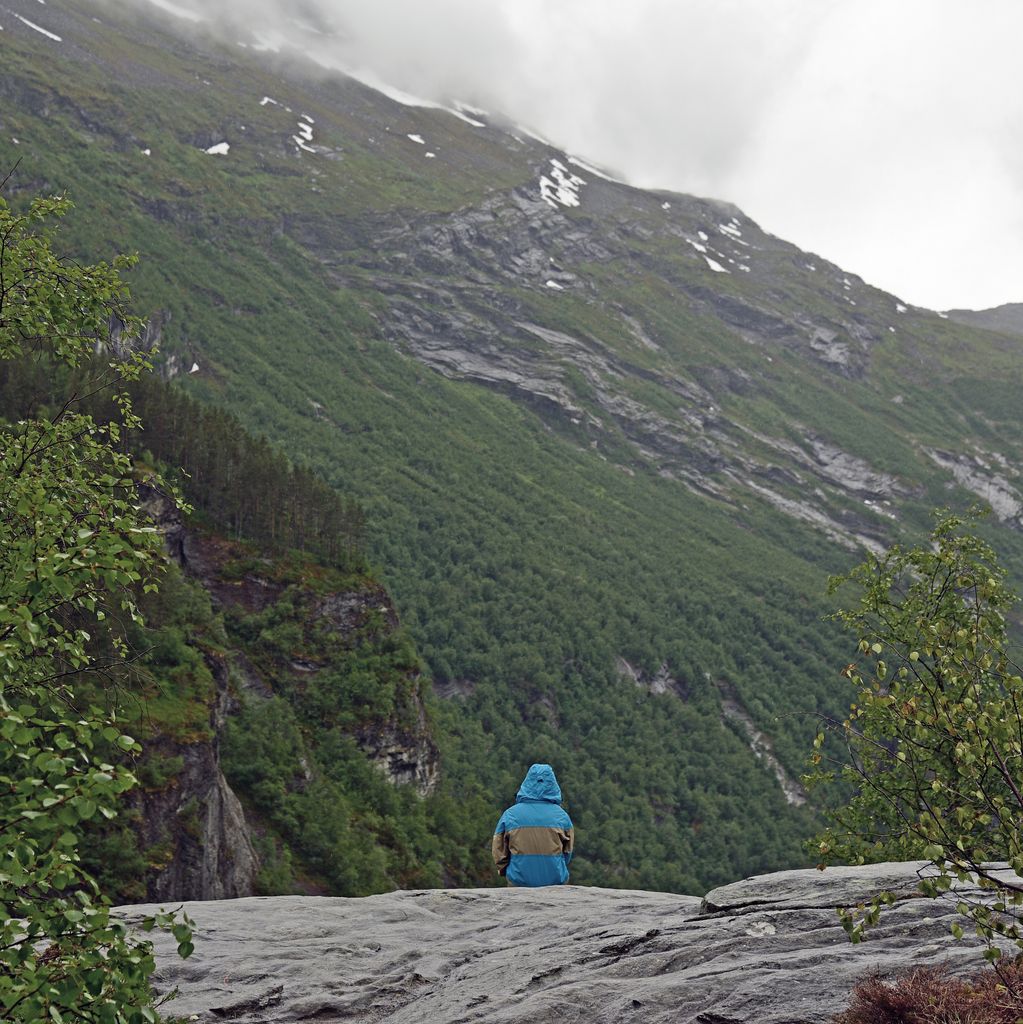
{"x": 886, "y": 135}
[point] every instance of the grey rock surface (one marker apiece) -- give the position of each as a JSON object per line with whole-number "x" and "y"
{"x": 768, "y": 949}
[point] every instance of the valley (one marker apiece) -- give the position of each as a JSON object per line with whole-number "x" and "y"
{"x": 610, "y": 443}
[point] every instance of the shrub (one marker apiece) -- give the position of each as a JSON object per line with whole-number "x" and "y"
{"x": 73, "y": 543}
{"x": 934, "y": 741}
{"x": 928, "y": 995}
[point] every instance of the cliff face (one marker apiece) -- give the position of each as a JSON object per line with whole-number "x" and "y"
{"x": 767, "y": 950}
{"x": 400, "y": 744}
{"x": 405, "y": 753}
{"x": 399, "y": 741}
{"x": 191, "y": 826}
{"x": 198, "y": 821}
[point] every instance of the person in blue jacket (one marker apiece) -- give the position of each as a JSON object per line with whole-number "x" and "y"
{"x": 533, "y": 841}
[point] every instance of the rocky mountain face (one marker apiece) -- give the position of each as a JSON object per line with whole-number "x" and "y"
{"x": 193, "y": 818}
{"x": 766, "y": 950}
{"x": 198, "y": 824}
{"x": 400, "y": 744}
{"x": 647, "y": 326}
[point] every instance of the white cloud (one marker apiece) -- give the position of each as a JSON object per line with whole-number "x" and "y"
{"x": 891, "y": 150}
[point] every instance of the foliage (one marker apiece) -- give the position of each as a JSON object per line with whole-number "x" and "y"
{"x": 365, "y": 837}
{"x": 245, "y": 485}
{"x": 241, "y": 484}
{"x": 928, "y": 995}
{"x": 296, "y": 760}
{"x": 71, "y": 538}
{"x": 934, "y": 740}
{"x": 526, "y": 554}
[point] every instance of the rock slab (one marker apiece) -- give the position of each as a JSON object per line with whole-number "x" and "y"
{"x": 769, "y": 950}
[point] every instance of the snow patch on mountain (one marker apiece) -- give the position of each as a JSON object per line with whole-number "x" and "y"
{"x": 39, "y": 28}
{"x": 532, "y": 135}
{"x": 462, "y": 112}
{"x": 305, "y": 134}
{"x": 367, "y": 78}
{"x": 561, "y": 187}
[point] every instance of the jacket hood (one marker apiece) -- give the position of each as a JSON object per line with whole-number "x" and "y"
{"x": 540, "y": 784}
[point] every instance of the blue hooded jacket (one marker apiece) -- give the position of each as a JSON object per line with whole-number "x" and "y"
{"x": 533, "y": 841}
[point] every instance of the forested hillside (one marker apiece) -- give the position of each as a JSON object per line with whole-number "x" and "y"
{"x": 609, "y": 443}
{"x": 267, "y": 653}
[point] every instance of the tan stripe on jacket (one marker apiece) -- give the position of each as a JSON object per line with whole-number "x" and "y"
{"x": 531, "y": 839}
{"x": 539, "y": 839}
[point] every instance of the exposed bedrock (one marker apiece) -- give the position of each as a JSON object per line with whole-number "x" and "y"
{"x": 768, "y": 950}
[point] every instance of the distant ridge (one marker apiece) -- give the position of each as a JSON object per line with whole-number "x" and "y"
{"x": 1008, "y": 317}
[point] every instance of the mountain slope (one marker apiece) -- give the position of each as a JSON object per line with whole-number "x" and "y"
{"x": 269, "y": 661}
{"x": 610, "y": 442}
{"x": 1007, "y": 318}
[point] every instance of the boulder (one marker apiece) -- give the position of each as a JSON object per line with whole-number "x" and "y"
{"x": 768, "y": 949}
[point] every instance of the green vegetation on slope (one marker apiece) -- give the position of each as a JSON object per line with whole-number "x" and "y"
{"x": 326, "y": 816}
